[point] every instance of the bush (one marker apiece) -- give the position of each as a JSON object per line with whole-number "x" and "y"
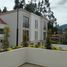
{"x": 25, "y": 44}
{"x": 48, "y": 44}
{"x": 31, "y": 45}
{"x": 6, "y": 36}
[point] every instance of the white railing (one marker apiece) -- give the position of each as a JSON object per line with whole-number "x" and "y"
{"x": 13, "y": 58}
{"x": 44, "y": 57}
{"x": 48, "y": 58}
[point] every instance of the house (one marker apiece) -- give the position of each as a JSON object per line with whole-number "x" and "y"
{"x": 2, "y": 26}
{"x": 32, "y": 27}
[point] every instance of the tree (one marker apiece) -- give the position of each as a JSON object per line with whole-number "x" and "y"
{"x": 0, "y": 11}
{"x": 16, "y": 4}
{"x": 38, "y": 13}
{"x": 20, "y": 4}
{"x": 65, "y": 37}
{"x": 5, "y": 41}
{"x": 30, "y": 7}
{"x": 5, "y": 9}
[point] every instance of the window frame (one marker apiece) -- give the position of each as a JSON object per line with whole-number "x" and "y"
{"x": 1, "y": 31}
{"x": 24, "y": 23}
{"x": 36, "y": 24}
{"x": 36, "y": 35}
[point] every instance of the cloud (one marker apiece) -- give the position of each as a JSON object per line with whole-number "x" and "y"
{"x": 62, "y": 2}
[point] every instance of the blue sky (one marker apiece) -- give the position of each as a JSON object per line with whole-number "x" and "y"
{"x": 59, "y": 7}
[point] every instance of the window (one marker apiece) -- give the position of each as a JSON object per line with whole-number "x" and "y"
{"x": 36, "y": 24}
{"x": 25, "y": 22}
{"x": 44, "y": 27}
{"x": 44, "y": 35}
{"x": 1, "y": 41}
{"x": 36, "y": 35}
{"x": 25, "y": 35}
{"x": 1, "y": 31}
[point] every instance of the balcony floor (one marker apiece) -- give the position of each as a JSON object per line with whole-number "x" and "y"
{"x": 30, "y": 65}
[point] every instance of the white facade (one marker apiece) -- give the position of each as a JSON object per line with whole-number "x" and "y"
{"x": 2, "y": 26}
{"x": 11, "y": 19}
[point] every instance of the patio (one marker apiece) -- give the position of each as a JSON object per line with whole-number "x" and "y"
{"x": 30, "y": 65}
{"x": 37, "y": 57}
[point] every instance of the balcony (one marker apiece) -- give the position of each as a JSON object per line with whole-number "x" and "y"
{"x": 37, "y": 57}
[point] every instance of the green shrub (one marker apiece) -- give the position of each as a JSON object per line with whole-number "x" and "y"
{"x": 5, "y": 41}
{"x": 48, "y": 44}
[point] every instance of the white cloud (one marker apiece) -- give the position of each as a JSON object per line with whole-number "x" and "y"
{"x": 59, "y": 8}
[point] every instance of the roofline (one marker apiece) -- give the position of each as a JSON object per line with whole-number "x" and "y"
{"x": 3, "y": 22}
{"x": 13, "y": 11}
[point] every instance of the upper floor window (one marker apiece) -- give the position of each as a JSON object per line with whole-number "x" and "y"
{"x": 36, "y": 24}
{"x": 44, "y": 27}
{"x": 1, "y": 31}
{"x": 25, "y": 22}
{"x": 44, "y": 35}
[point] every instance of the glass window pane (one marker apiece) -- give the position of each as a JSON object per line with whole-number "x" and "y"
{"x": 1, "y": 31}
{"x": 25, "y": 35}
{"x": 36, "y": 24}
{"x": 36, "y": 35}
{"x": 25, "y": 22}
{"x": 44, "y": 27}
{"x": 44, "y": 35}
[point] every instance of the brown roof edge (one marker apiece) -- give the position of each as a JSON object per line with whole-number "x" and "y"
{"x": 12, "y": 11}
{"x": 2, "y": 22}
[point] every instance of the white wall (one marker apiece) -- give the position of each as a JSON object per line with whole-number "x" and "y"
{"x": 2, "y": 25}
{"x": 48, "y": 58}
{"x": 44, "y": 57}
{"x": 40, "y": 27}
{"x": 13, "y": 58}
{"x": 11, "y": 19}
{"x": 64, "y": 47}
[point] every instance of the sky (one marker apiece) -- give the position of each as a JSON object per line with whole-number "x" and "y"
{"x": 59, "y": 7}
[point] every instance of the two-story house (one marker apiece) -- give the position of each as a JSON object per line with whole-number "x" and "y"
{"x": 32, "y": 27}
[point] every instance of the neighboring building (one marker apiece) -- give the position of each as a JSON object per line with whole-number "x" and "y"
{"x": 2, "y": 26}
{"x": 57, "y": 38}
{"x": 30, "y": 25}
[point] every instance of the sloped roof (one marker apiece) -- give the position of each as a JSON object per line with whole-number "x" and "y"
{"x": 2, "y": 22}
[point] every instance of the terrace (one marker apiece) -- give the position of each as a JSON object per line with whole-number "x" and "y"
{"x": 33, "y": 57}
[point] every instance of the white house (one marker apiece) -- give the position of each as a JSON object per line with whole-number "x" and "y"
{"x": 31, "y": 25}
{"x": 2, "y": 26}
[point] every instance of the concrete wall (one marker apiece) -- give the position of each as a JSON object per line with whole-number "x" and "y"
{"x": 44, "y": 57}
{"x": 48, "y": 58}
{"x": 64, "y": 47}
{"x": 10, "y": 19}
{"x": 13, "y": 58}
